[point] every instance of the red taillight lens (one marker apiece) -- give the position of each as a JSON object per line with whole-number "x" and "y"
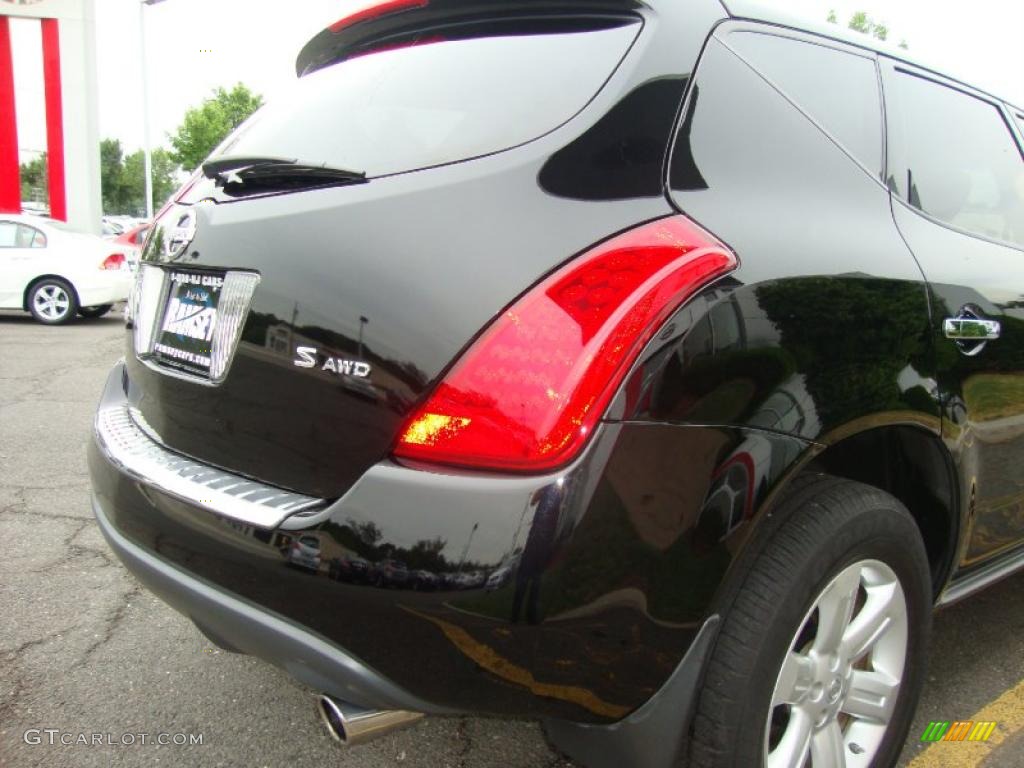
{"x": 376, "y": 10}
{"x": 113, "y": 261}
{"x": 528, "y": 393}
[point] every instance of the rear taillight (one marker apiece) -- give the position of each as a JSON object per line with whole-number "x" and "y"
{"x": 528, "y": 393}
{"x": 113, "y": 261}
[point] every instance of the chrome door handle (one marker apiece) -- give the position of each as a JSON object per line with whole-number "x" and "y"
{"x": 971, "y": 329}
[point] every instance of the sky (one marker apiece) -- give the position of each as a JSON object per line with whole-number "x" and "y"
{"x": 194, "y": 46}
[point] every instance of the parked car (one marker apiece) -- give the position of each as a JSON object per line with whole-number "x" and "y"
{"x": 617, "y": 261}
{"x": 499, "y": 577}
{"x": 132, "y": 241}
{"x": 304, "y": 552}
{"x": 55, "y": 273}
{"x": 390, "y": 573}
{"x": 111, "y": 229}
{"x": 424, "y": 580}
{"x": 348, "y": 568}
{"x": 35, "y": 208}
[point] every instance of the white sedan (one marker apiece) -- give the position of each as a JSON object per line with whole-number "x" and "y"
{"x": 55, "y": 273}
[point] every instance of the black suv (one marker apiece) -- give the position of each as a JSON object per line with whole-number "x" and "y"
{"x": 683, "y": 344}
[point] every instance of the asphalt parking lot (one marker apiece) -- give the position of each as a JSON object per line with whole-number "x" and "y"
{"x": 84, "y": 651}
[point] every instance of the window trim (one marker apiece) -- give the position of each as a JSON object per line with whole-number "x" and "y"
{"x": 38, "y": 233}
{"x": 728, "y": 28}
{"x": 1016, "y": 121}
{"x": 890, "y": 68}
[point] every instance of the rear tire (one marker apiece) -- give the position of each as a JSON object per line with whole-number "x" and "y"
{"x": 52, "y": 301}
{"x": 92, "y": 313}
{"x": 831, "y": 611}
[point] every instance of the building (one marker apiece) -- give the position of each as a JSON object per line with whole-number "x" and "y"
{"x": 69, "y": 72}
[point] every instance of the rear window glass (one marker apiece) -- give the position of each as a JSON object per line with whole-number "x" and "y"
{"x": 428, "y": 105}
{"x": 838, "y": 90}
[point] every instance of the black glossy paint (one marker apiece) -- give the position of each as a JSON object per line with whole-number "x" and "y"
{"x": 452, "y": 20}
{"x": 983, "y": 425}
{"x": 576, "y": 596}
{"x": 826, "y": 321}
{"x": 403, "y": 272}
{"x": 584, "y": 619}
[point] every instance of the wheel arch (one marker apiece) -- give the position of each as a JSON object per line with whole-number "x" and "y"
{"x": 907, "y": 460}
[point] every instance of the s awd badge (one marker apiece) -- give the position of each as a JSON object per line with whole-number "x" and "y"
{"x": 309, "y": 357}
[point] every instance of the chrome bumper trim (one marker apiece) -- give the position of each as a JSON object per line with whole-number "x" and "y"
{"x": 128, "y": 445}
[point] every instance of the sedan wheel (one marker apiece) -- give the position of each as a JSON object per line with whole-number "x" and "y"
{"x": 52, "y": 302}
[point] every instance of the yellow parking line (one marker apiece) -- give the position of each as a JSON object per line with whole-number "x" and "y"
{"x": 489, "y": 659}
{"x": 1007, "y": 712}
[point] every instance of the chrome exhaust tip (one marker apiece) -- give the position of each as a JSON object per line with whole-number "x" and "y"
{"x": 351, "y": 725}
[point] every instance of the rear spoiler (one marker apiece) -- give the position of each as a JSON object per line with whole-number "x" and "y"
{"x": 399, "y": 23}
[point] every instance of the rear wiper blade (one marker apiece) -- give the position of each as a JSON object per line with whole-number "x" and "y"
{"x": 215, "y": 168}
{"x": 264, "y": 170}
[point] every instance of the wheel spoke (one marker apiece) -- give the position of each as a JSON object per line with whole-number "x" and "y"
{"x": 872, "y": 696}
{"x": 871, "y": 621}
{"x": 793, "y": 747}
{"x": 827, "y": 747}
{"x": 794, "y": 679}
{"x": 834, "y": 609}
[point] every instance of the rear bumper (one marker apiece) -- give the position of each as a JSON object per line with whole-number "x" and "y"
{"x": 310, "y": 659}
{"x": 607, "y": 587}
{"x": 106, "y": 287}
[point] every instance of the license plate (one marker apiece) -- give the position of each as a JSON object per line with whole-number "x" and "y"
{"x": 184, "y": 339}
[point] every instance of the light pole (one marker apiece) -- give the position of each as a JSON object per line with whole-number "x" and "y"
{"x": 362, "y": 322}
{"x": 146, "y": 149}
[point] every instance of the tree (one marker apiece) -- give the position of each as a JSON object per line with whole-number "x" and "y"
{"x": 367, "y": 532}
{"x": 206, "y": 126}
{"x": 111, "y": 172}
{"x": 861, "y": 22}
{"x": 123, "y": 178}
{"x": 134, "y": 174}
{"x": 34, "y": 184}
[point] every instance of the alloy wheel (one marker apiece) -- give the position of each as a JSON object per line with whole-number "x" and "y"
{"x": 51, "y": 302}
{"x": 838, "y": 684}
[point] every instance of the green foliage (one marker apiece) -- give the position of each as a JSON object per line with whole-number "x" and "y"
{"x": 852, "y": 362}
{"x": 34, "y": 185}
{"x": 206, "y": 126}
{"x": 111, "y": 169}
{"x": 861, "y": 22}
{"x": 123, "y": 178}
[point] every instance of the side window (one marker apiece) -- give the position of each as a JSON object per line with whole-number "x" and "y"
{"x": 838, "y": 90}
{"x": 29, "y": 237}
{"x": 953, "y": 157}
{"x": 8, "y": 234}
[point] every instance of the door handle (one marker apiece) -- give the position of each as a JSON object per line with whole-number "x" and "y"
{"x": 965, "y": 328}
